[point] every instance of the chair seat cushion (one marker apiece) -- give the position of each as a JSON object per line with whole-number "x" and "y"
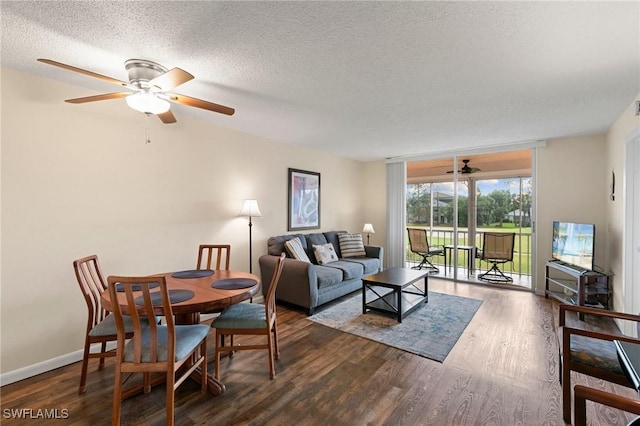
{"x": 595, "y": 353}
{"x": 242, "y": 315}
{"x": 107, "y": 327}
{"x": 187, "y": 338}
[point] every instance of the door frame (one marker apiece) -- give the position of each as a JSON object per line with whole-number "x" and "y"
{"x": 631, "y": 230}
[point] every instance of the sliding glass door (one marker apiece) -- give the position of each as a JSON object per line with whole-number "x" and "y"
{"x": 458, "y": 199}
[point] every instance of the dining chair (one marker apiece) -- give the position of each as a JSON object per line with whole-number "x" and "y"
{"x": 419, "y": 245}
{"x": 497, "y": 249}
{"x": 582, "y": 394}
{"x": 251, "y": 319}
{"x": 222, "y": 253}
{"x": 101, "y": 326}
{"x": 153, "y": 348}
{"x": 206, "y": 254}
{"x": 589, "y": 352}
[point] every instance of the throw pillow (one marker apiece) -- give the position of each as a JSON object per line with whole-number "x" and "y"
{"x": 295, "y": 250}
{"x": 351, "y": 245}
{"x": 325, "y": 253}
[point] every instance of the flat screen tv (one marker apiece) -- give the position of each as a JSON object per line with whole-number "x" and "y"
{"x": 574, "y": 244}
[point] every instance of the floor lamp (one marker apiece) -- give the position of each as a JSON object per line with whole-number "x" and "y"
{"x": 250, "y": 209}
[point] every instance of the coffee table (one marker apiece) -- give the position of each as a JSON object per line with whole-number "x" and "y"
{"x": 404, "y": 296}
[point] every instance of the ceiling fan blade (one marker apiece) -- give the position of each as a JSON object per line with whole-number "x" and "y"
{"x": 167, "y": 117}
{"x": 85, "y": 72}
{"x": 170, "y": 79}
{"x": 104, "y": 97}
{"x": 199, "y": 103}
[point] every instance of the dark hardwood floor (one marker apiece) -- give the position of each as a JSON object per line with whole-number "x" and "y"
{"x": 502, "y": 371}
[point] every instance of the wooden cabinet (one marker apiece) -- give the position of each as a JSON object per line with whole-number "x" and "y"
{"x": 576, "y": 286}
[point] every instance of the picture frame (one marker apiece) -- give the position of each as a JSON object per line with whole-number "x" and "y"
{"x": 303, "y": 200}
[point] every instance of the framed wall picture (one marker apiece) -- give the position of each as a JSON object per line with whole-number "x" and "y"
{"x": 304, "y": 200}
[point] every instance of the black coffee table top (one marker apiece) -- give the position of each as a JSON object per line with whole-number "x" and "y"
{"x": 396, "y": 276}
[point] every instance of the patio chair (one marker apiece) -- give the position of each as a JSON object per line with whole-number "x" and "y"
{"x": 497, "y": 249}
{"x": 419, "y": 245}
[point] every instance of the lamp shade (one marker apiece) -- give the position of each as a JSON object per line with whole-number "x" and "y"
{"x": 148, "y": 103}
{"x": 368, "y": 229}
{"x": 250, "y": 209}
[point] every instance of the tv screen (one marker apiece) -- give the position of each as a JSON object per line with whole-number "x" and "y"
{"x": 574, "y": 243}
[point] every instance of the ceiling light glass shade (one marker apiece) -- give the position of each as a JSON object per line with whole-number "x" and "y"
{"x": 148, "y": 103}
{"x": 250, "y": 209}
{"x": 368, "y": 229}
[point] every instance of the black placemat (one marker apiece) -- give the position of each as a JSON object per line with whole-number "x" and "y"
{"x": 135, "y": 287}
{"x": 193, "y": 273}
{"x": 175, "y": 296}
{"x": 234, "y": 283}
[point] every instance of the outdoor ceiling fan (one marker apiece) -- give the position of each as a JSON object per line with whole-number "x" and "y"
{"x": 466, "y": 169}
{"x": 149, "y": 85}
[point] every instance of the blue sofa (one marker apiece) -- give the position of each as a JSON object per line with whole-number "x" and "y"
{"x": 309, "y": 285}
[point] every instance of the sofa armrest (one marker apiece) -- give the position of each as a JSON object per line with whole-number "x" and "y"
{"x": 298, "y": 281}
{"x": 376, "y": 252}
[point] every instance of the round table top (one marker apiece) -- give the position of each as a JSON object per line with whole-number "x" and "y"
{"x": 205, "y": 299}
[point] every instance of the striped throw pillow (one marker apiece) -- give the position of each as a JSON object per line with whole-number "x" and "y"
{"x": 351, "y": 245}
{"x": 295, "y": 250}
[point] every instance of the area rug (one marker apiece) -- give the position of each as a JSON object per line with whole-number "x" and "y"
{"x": 430, "y": 331}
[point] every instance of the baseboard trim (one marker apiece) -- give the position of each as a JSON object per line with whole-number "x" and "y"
{"x": 45, "y": 366}
{"x": 62, "y": 360}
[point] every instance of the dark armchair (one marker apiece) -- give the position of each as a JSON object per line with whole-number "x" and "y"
{"x": 589, "y": 352}
{"x": 582, "y": 394}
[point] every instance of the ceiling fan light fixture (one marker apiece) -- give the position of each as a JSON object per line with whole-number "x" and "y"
{"x": 148, "y": 103}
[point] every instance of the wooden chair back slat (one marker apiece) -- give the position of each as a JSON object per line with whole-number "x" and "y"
{"x": 270, "y": 303}
{"x": 222, "y": 254}
{"x": 92, "y": 284}
{"x": 138, "y": 295}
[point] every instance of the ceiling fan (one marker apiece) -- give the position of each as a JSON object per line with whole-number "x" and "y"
{"x": 466, "y": 169}
{"x": 149, "y": 85}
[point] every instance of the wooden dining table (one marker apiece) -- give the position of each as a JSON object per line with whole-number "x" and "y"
{"x": 205, "y": 299}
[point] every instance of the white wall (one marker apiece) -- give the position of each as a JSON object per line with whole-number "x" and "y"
{"x": 574, "y": 177}
{"x": 571, "y": 187}
{"x": 79, "y": 179}
{"x": 374, "y": 203}
{"x": 626, "y": 124}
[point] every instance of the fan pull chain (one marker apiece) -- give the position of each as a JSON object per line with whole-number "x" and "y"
{"x": 147, "y": 131}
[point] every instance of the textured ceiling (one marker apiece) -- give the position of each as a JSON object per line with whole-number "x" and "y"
{"x": 365, "y": 80}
